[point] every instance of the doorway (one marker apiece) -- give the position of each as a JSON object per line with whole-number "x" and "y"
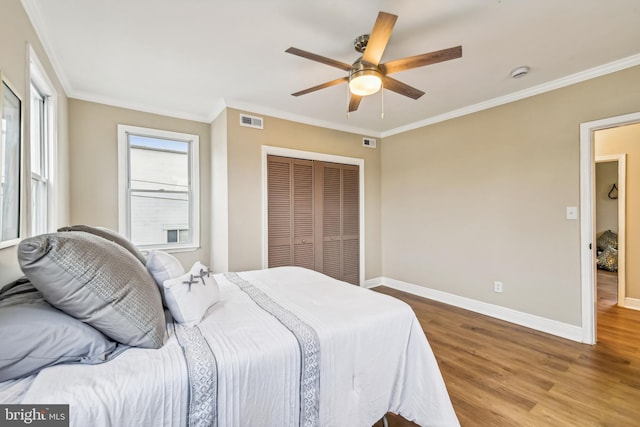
{"x": 587, "y": 225}
{"x": 610, "y": 197}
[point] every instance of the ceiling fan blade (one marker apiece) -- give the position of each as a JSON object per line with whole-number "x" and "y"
{"x": 318, "y": 58}
{"x": 401, "y": 88}
{"x": 379, "y": 38}
{"x": 421, "y": 60}
{"x": 321, "y": 86}
{"x": 354, "y": 102}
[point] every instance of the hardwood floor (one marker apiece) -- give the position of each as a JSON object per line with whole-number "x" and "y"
{"x": 501, "y": 374}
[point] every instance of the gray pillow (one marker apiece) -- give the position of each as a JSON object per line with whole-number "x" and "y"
{"x": 98, "y": 282}
{"x": 105, "y": 233}
{"x": 36, "y": 335}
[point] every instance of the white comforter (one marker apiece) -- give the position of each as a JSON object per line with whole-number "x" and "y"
{"x": 374, "y": 358}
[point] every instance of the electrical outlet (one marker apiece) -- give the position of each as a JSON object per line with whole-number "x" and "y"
{"x": 497, "y": 287}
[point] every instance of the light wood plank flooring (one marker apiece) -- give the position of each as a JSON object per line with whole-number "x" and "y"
{"x": 501, "y": 374}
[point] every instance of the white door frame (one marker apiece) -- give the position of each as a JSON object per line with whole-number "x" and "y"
{"x": 621, "y": 158}
{"x": 587, "y": 226}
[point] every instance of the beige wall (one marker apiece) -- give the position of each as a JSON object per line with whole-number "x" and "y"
{"x": 482, "y": 198}
{"x": 16, "y": 33}
{"x": 606, "y": 208}
{"x": 219, "y": 195}
{"x": 94, "y": 165}
{"x": 244, "y": 183}
{"x": 626, "y": 139}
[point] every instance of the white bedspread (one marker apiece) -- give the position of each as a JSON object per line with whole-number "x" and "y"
{"x": 374, "y": 358}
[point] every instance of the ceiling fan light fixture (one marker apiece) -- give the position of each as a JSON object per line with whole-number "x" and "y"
{"x": 365, "y": 82}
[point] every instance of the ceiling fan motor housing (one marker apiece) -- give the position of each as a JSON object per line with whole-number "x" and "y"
{"x": 360, "y": 43}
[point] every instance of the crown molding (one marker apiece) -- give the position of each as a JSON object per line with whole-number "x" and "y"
{"x": 581, "y": 76}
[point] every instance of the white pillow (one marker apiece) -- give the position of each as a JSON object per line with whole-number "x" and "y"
{"x": 163, "y": 266}
{"x": 189, "y": 296}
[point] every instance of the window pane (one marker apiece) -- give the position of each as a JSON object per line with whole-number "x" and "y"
{"x": 158, "y": 164}
{"x": 153, "y": 213}
{"x": 9, "y": 165}
{"x": 37, "y": 118}
{"x": 38, "y": 206}
{"x": 172, "y": 236}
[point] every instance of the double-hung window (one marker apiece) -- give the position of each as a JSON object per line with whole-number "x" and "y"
{"x": 39, "y": 164}
{"x": 42, "y": 122}
{"x": 159, "y": 189}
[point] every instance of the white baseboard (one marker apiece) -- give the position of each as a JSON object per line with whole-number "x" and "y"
{"x": 538, "y": 323}
{"x": 632, "y": 303}
{"x": 372, "y": 283}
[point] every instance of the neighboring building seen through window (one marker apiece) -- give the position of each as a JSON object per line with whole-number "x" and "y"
{"x": 177, "y": 235}
{"x": 159, "y": 191}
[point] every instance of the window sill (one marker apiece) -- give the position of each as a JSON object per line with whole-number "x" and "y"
{"x": 168, "y": 249}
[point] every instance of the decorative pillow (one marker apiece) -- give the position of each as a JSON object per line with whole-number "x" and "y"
{"x": 606, "y": 239}
{"x": 105, "y": 233}
{"x": 190, "y": 295}
{"x": 163, "y": 266}
{"x": 36, "y": 335}
{"x": 608, "y": 259}
{"x": 98, "y": 282}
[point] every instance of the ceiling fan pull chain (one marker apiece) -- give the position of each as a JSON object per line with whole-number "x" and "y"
{"x": 348, "y": 100}
{"x": 382, "y": 101}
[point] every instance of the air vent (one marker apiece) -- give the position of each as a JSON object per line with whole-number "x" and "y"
{"x": 250, "y": 121}
{"x": 369, "y": 142}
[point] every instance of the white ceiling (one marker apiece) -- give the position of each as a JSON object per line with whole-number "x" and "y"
{"x": 191, "y": 58}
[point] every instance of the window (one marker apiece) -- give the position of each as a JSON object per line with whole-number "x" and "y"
{"x": 159, "y": 191}
{"x": 39, "y": 164}
{"x": 10, "y": 159}
{"x": 41, "y": 148}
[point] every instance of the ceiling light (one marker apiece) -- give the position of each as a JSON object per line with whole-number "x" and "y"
{"x": 520, "y": 72}
{"x": 365, "y": 82}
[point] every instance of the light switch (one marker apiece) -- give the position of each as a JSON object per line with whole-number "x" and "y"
{"x": 572, "y": 212}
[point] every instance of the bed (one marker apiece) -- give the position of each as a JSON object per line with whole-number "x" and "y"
{"x": 281, "y": 347}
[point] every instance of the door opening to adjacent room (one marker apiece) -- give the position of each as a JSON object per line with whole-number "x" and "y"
{"x": 610, "y": 225}
{"x": 588, "y": 133}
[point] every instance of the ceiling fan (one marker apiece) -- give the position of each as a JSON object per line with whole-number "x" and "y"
{"x": 367, "y": 75}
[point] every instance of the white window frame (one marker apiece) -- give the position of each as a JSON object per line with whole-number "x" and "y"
{"x": 39, "y": 79}
{"x": 124, "y": 209}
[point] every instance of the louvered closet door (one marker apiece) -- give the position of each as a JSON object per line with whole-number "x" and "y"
{"x": 338, "y": 221}
{"x": 350, "y": 225}
{"x": 290, "y": 212}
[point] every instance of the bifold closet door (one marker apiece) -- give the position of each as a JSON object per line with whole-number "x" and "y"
{"x": 337, "y": 225}
{"x": 291, "y": 212}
